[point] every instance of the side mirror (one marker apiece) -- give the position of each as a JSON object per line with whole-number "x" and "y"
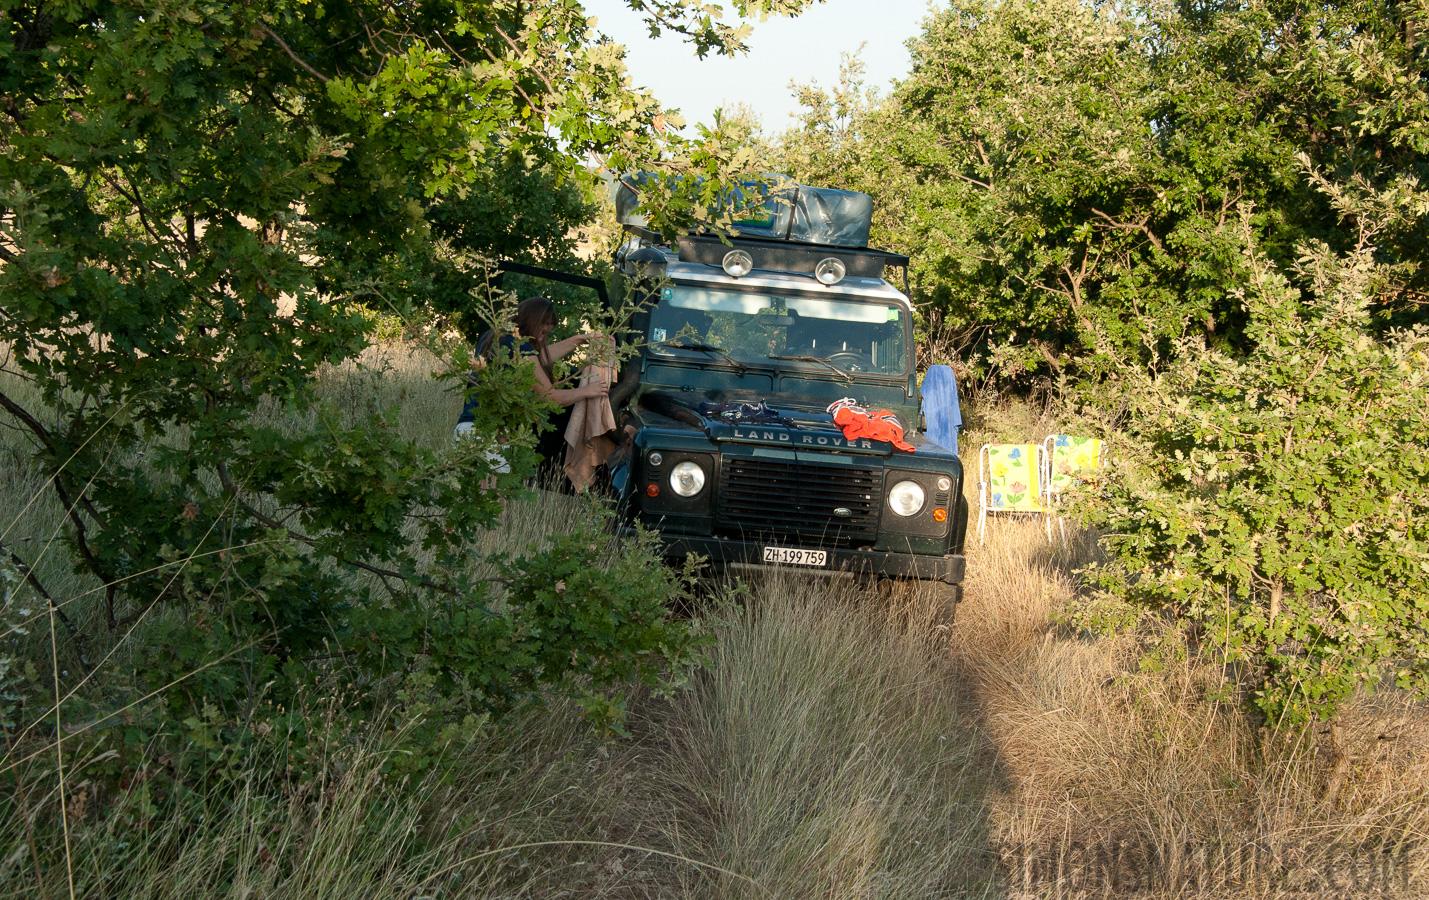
{"x": 940, "y": 407}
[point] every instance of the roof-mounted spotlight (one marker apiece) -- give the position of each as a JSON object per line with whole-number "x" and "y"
{"x": 647, "y": 264}
{"x": 830, "y": 271}
{"x": 737, "y": 264}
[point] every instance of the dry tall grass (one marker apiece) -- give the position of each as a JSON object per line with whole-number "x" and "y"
{"x": 828, "y": 752}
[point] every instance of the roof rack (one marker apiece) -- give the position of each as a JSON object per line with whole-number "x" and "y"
{"x": 776, "y": 254}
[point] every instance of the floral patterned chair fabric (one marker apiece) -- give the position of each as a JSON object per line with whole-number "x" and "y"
{"x": 1010, "y": 481}
{"x": 1070, "y": 461}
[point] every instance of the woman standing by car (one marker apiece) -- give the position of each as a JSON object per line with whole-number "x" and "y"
{"x": 535, "y": 320}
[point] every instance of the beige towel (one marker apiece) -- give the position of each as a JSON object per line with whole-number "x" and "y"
{"x": 588, "y": 440}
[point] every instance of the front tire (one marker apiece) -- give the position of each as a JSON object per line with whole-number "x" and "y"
{"x": 936, "y": 601}
{"x": 946, "y": 598}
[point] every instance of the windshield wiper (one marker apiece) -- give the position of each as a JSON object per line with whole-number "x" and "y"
{"x": 680, "y": 344}
{"x": 846, "y": 376}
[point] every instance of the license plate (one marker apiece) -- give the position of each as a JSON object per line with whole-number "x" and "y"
{"x": 793, "y": 556}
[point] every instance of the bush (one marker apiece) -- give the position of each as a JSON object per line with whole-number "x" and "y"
{"x": 1277, "y": 503}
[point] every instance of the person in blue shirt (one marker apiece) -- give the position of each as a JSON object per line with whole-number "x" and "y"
{"x": 535, "y": 320}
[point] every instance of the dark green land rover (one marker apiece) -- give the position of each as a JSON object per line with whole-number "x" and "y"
{"x": 745, "y": 345}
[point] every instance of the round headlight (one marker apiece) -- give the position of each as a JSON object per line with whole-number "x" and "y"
{"x": 906, "y": 498}
{"x": 687, "y": 478}
{"x": 830, "y": 270}
{"x": 737, "y": 263}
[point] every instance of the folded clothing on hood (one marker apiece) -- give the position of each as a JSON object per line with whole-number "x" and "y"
{"x": 878, "y": 425}
{"x": 738, "y": 413}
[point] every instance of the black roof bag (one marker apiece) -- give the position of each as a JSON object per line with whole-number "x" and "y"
{"x": 790, "y": 212}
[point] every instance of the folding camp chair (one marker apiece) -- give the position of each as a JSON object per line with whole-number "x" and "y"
{"x": 1009, "y": 479}
{"x": 1070, "y": 461}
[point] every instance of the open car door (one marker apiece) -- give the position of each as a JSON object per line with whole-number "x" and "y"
{"x": 525, "y": 280}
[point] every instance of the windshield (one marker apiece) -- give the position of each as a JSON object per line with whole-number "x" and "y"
{"x": 853, "y": 336}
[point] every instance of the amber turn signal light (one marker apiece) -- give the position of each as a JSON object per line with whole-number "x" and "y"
{"x": 940, "y": 515}
{"x": 652, "y": 490}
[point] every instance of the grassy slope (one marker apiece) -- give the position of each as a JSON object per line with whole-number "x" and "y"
{"x": 838, "y": 745}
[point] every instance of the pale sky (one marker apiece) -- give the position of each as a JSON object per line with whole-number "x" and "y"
{"x": 803, "y": 49}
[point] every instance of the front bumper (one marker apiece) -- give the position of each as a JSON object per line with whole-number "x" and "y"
{"x": 947, "y": 569}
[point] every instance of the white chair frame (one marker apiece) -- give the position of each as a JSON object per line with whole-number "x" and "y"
{"x": 985, "y": 492}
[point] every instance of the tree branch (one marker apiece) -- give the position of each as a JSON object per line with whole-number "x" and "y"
{"x": 970, "y": 180}
{"x": 1046, "y": 351}
{"x": 35, "y": 583}
{"x": 982, "y": 151}
{"x": 29, "y": 421}
{"x": 1124, "y": 226}
{"x": 520, "y": 90}
{"x": 289, "y": 50}
{"x": 228, "y": 484}
{"x": 143, "y": 212}
{"x": 70, "y": 505}
{"x": 516, "y": 48}
{"x": 81, "y": 538}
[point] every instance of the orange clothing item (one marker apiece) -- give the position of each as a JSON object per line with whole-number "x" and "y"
{"x": 880, "y": 425}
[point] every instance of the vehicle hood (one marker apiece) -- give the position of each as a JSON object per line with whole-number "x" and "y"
{"x": 785, "y": 420}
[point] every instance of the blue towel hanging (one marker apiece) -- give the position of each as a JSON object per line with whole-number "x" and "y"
{"x": 940, "y": 407}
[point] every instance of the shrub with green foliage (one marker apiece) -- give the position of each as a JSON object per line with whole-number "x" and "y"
{"x": 1277, "y": 502}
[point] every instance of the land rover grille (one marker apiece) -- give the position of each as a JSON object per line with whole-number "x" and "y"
{"x": 831, "y": 504}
